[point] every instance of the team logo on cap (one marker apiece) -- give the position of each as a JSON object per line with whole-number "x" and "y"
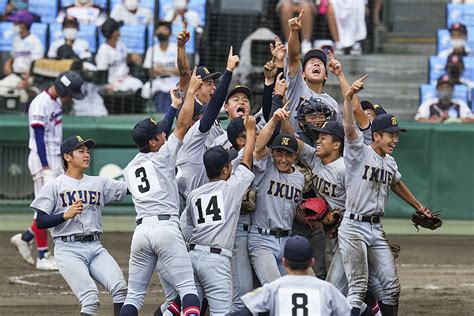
{"x": 376, "y": 106}
{"x": 65, "y": 80}
{"x": 79, "y": 139}
{"x": 206, "y": 71}
{"x": 285, "y": 141}
{"x": 394, "y": 120}
{"x": 153, "y": 121}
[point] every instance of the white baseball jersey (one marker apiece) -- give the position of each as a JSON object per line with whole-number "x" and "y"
{"x": 329, "y": 179}
{"x": 457, "y": 109}
{"x": 191, "y": 16}
{"x": 151, "y": 179}
{"x": 191, "y": 172}
{"x": 278, "y": 195}
{"x": 113, "y": 59}
{"x": 164, "y": 58}
{"x": 368, "y": 177}
{"x": 297, "y": 295}
{"x": 46, "y": 112}
{"x": 25, "y": 51}
{"x": 223, "y": 141}
{"x": 298, "y": 91}
{"x": 143, "y": 15}
{"x": 213, "y": 209}
{"x": 79, "y": 46}
{"x": 85, "y": 15}
{"x": 59, "y": 194}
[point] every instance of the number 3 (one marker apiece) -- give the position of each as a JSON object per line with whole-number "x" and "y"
{"x": 299, "y": 306}
{"x": 141, "y": 173}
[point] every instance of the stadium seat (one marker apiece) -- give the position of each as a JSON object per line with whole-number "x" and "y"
{"x": 3, "y": 4}
{"x": 101, "y": 3}
{"x": 46, "y": 9}
{"x": 133, "y": 36}
{"x": 428, "y": 91}
{"x": 438, "y": 64}
{"x": 461, "y": 13}
{"x": 41, "y": 30}
{"x": 443, "y": 39}
{"x": 87, "y": 32}
{"x": 196, "y": 5}
{"x": 175, "y": 29}
{"x": 144, "y": 3}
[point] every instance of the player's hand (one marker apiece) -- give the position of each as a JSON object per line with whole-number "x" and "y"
{"x": 232, "y": 60}
{"x": 281, "y": 114}
{"x": 295, "y": 23}
{"x": 75, "y": 209}
{"x": 357, "y": 86}
{"x": 249, "y": 122}
{"x": 280, "y": 85}
{"x": 184, "y": 35}
{"x": 425, "y": 211}
{"x": 334, "y": 65}
{"x": 176, "y": 100}
{"x": 195, "y": 83}
{"x": 278, "y": 51}
{"x": 269, "y": 70}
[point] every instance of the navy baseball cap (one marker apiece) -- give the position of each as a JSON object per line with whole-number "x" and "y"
{"x": 215, "y": 158}
{"x": 73, "y": 142}
{"x": 206, "y": 74}
{"x": 198, "y": 109}
{"x": 71, "y": 82}
{"x": 22, "y": 16}
{"x": 234, "y": 129}
{"x": 286, "y": 142}
{"x": 331, "y": 128}
{"x": 386, "y": 123}
{"x": 445, "y": 79}
{"x": 377, "y": 108}
{"x": 147, "y": 129}
{"x": 298, "y": 249}
{"x": 239, "y": 88}
{"x": 458, "y": 27}
{"x": 315, "y": 53}
{"x": 109, "y": 26}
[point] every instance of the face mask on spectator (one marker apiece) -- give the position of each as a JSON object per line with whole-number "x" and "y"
{"x": 444, "y": 94}
{"x": 458, "y": 43}
{"x": 70, "y": 33}
{"x": 16, "y": 29}
{"x": 131, "y": 5}
{"x": 162, "y": 37}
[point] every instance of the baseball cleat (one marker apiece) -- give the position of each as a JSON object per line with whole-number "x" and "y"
{"x": 23, "y": 248}
{"x": 46, "y": 264}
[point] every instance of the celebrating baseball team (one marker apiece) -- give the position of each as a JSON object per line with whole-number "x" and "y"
{"x": 231, "y": 220}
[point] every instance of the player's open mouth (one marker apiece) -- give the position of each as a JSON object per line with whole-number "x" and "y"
{"x": 318, "y": 148}
{"x": 241, "y": 110}
{"x": 316, "y": 71}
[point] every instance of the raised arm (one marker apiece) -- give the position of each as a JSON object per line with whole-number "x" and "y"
{"x": 249, "y": 124}
{"x": 349, "y": 129}
{"x": 176, "y": 103}
{"x": 294, "y": 47}
{"x": 261, "y": 149}
{"x": 183, "y": 62}
{"x": 186, "y": 114}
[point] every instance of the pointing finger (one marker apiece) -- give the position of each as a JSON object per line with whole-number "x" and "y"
{"x": 194, "y": 71}
{"x": 279, "y": 76}
{"x": 331, "y": 56}
{"x": 185, "y": 25}
{"x": 231, "y": 51}
{"x": 285, "y": 107}
{"x": 301, "y": 14}
{"x": 363, "y": 78}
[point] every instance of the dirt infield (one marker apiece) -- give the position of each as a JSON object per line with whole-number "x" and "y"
{"x": 436, "y": 274}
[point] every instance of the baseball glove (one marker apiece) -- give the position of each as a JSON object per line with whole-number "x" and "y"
{"x": 308, "y": 178}
{"x": 249, "y": 202}
{"x": 331, "y": 221}
{"x": 420, "y": 219}
{"x": 314, "y": 208}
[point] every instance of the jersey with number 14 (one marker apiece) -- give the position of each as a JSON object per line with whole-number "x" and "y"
{"x": 293, "y": 295}
{"x": 151, "y": 179}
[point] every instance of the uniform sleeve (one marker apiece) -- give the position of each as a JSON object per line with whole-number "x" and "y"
{"x": 339, "y": 304}
{"x": 37, "y": 115}
{"x": 424, "y": 110}
{"x": 354, "y": 150}
{"x": 261, "y": 165}
{"x": 259, "y": 300}
{"x": 174, "y": 145}
{"x": 114, "y": 191}
{"x": 101, "y": 59}
{"x": 464, "y": 110}
{"x": 194, "y": 144}
{"x": 307, "y": 155}
{"x": 46, "y": 199}
{"x": 367, "y": 134}
{"x": 296, "y": 84}
{"x": 240, "y": 180}
{"x": 147, "y": 61}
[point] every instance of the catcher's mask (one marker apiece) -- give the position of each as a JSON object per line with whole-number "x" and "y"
{"x": 314, "y": 106}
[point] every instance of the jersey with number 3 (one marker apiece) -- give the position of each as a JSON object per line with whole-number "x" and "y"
{"x": 214, "y": 208}
{"x": 151, "y": 179}
{"x": 293, "y": 295}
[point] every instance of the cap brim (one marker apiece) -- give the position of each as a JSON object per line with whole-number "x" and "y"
{"x": 213, "y": 76}
{"x": 243, "y": 89}
{"x": 89, "y": 143}
{"x": 393, "y": 129}
{"x": 76, "y": 95}
{"x": 232, "y": 154}
{"x": 288, "y": 149}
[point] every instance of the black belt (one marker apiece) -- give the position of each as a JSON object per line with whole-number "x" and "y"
{"x": 246, "y": 227}
{"x": 373, "y": 219}
{"x": 211, "y": 249}
{"x": 81, "y": 238}
{"x": 277, "y": 232}
{"x": 160, "y": 217}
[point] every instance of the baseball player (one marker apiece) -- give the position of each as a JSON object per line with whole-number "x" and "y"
{"x": 312, "y": 113}
{"x": 278, "y": 185}
{"x": 212, "y": 210}
{"x": 296, "y": 293}
{"x": 150, "y": 177}
{"x": 72, "y": 205}
{"x": 371, "y": 172}
{"x": 305, "y": 79}
{"x": 44, "y": 161}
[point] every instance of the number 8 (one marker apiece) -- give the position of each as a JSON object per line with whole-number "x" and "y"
{"x": 297, "y": 306}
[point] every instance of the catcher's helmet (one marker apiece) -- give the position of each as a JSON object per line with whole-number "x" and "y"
{"x": 315, "y": 105}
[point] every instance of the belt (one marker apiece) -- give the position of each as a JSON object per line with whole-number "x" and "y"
{"x": 246, "y": 227}
{"x": 81, "y": 238}
{"x": 219, "y": 251}
{"x": 277, "y": 232}
{"x": 372, "y": 219}
{"x": 159, "y": 217}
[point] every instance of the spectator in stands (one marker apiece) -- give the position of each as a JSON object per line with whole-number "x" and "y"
{"x": 69, "y": 47}
{"x": 27, "y": 48}
{"x": 350, "y": 20}
{"x": 113, "y": 57}
{"x": 455, "y": 69}
{"x": 13, "y": 6}
{"x": 287, "y": 9}
{"x": 85, "y": 11}
{"x": 458, "y": 35}
{"x": 180, "y": 12}
{"x": 131, "y": 13}
{"x": 444, "y": 109}
{"x": 161, "y": 62}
